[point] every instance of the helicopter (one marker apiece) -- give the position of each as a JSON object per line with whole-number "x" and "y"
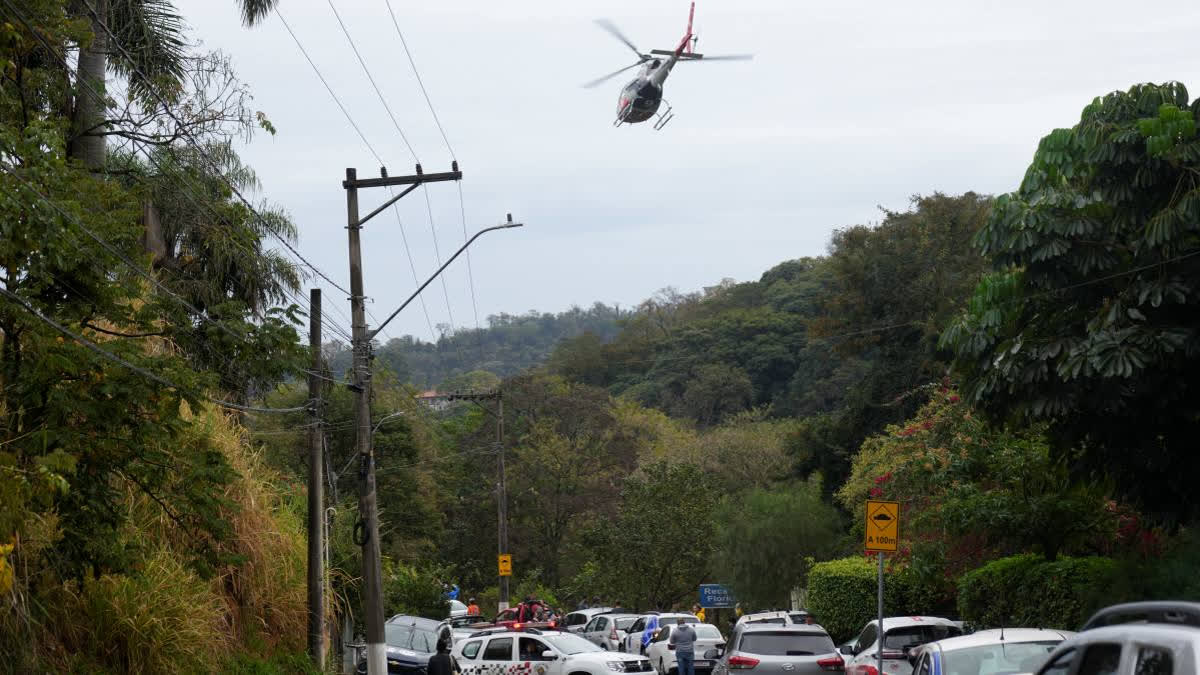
{"x": 641, "y": 98}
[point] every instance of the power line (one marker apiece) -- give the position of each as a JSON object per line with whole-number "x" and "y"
{"x": 132, "y": 367}
{"x": 462, "y": 209}
{"x": 420, "y": 83}
{"x": 378, "y": 93}
{"x": 411, "y": 151}
{"x": 371, "y": 149}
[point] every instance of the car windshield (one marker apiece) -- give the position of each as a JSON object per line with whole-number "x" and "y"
{"x": 1004, "y": 657}
{"x": 786, "y": 643}
{"x": 912, "y": 636}
{"x": 411, "y": 637}
{"x": 570, "y": 644}
{"x": 624, "y": 624}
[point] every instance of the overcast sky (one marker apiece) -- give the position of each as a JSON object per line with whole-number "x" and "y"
{"x": 847, "y": 106}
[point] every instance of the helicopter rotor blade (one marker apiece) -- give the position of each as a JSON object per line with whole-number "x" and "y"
{"x": 616, "y": 32}
{"x": 723, "y": 57}
{"x": 606, "y": 78}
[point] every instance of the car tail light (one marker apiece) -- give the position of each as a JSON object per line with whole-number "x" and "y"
{"x": 612, "y": 634}
{"x": 869, "y": 670}
{"x": 518, "y": 626}
{"x": 835, "y": 664}
{"x": 742, "y": 662}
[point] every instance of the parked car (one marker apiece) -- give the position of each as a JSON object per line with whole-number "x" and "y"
{"x": 457, "y": 608}
{"x": 574, "y": 622}
{"x": 411, "y": 641}
{"x": 1140, "y": 638}
{"x": 633, "y": 639}
{"x": 779, "y": 617}
{"x": 535, "y": 652}
{"x": 900, "y": 635}
{"x": 462, "y": 626}
{"x": 777, "y": 649}
{"x": 662, "y": 654}
{"x": 607, "y": 630}
{"x": 1007, "y": 650}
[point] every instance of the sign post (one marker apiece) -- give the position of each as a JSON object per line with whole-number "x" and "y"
{"x": 504, "y": 561}
{"x": 882, "y": 535}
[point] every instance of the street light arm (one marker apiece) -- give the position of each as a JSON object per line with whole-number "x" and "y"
{"x": 373, "y": 333}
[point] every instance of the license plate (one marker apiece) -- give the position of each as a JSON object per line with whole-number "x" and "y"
{"x": 702, "y": 664}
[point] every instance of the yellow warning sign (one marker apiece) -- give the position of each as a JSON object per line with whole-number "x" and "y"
{"x": 883, "y": 525}
{"x": 505, "y": 561}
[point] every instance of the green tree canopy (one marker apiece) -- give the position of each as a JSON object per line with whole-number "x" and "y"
{"x": 1089, "y": 320}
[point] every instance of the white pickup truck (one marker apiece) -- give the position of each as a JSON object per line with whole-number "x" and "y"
{"x": 536, "y": 652}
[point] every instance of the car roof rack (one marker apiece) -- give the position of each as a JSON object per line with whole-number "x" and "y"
{"x": 1166, "y": 612}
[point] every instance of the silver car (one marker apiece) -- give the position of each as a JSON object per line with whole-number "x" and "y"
{"x": 1140, "y": 638}
{"x": 607, "y": 630}
{"x": 901, "y": 634}
{"x": 574, "y": 622}
{"x": 1007, "y": 650}
{"x": 773, "y": 649}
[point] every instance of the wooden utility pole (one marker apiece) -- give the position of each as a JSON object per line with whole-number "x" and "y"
{"x": 501, "y": 497}
{"x": 501, "y": 485}
{"x": 316, "y": 492}
{"x": 366, "y": 530}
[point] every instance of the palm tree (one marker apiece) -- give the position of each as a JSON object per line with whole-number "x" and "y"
{"x": 141, "y": 40}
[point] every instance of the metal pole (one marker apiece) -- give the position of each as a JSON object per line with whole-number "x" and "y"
{"x": 367, "y": 528}
{"x": 316, "y": 492}
{"x": 502, "y": 497}
{"x": 879, "y": 652}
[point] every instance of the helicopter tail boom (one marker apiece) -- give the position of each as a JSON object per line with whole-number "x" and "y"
{"x": 685, "y": 45}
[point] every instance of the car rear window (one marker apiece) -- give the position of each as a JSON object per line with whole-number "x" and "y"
{"x": 786, "y": 643}
{"x": 912, "y": 636}
{"x": 707, "y": 632}
{"x": 624, "y": 624}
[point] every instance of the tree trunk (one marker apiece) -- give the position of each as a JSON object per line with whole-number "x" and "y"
{"x": 86, "y": 144}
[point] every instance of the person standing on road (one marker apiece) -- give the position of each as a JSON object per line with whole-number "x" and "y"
{"x": 472, "y": 608}
{"x": 699, "y": 612}
{"x": 442, "y": 663}
{"x": 683, "y": 641}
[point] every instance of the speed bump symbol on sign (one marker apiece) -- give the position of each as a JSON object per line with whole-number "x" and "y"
{"x": 883, "y": 525}
{"x": 505, "y": 563}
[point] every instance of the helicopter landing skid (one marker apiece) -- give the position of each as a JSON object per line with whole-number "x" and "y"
{"x": 663, "y": 117}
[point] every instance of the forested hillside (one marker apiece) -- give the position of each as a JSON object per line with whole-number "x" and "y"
{"x": 508, "y": 345}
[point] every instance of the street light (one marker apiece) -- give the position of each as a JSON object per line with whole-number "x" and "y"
{"x": 503, "y": 226}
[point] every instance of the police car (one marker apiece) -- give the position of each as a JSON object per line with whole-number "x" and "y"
{"x": 530, "y": 651}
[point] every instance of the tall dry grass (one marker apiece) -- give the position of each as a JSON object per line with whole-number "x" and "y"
{"x": 162, "y": 617}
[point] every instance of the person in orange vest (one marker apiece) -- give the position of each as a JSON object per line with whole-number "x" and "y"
{"x": 472, "y": 608}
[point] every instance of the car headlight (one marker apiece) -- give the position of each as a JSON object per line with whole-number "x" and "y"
{"x": 618, "y": 666}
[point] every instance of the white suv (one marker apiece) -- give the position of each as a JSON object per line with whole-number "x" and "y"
{"x": 900, "y": 635}
{"x": 632, "y": 642}
{"x": 535, "y": 652}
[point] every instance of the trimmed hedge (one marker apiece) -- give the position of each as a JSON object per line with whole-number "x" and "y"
{"x": 1028, "y": 590}
{"x": 842, "y": 594}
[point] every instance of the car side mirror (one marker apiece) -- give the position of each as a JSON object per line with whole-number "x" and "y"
{"x": 846, "y": 650}
{"x": 549, "y": 655}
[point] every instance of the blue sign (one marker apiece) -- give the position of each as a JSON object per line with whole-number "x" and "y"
{"x": 715, "y": 596}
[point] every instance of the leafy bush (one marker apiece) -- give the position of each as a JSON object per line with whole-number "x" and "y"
{"x": 413, "y": 591}
{"x": 1028, "y": 590}
{"x": 842, "y": 594}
